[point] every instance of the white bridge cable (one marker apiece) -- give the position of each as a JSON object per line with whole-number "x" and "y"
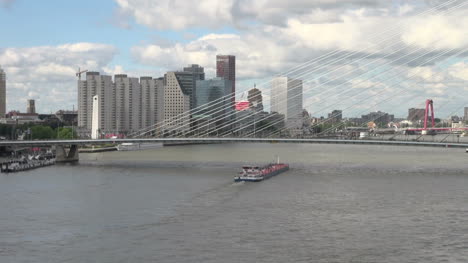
{"x": 372, "y": 96}
{"x": 414, "y": 73}
{"x": 344, "y": 91}
{"x": 350, "y": 89}
{"x": 220, "y": 118}
{"x": 451, "y": 114}
{"x": 331, "y": 117}
{"x": 415, "y": 96}
{"x": 438, "y": 106}
{"x": 221, "y": 100}
{"x": 237, "y": 120}
{"x": 390, "y": 97}
{"x": 338, "y": 125}
{"x": 265, "y": 117}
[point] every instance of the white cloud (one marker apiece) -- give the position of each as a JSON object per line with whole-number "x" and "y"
{"x": 425, "y": 74}
{"x": 459, "y": 70}
{"x": 405, "y": 9}
{"x": 365, "y": 84}
{"x": 254, "y": 57}
{"x": 177, "y": 14}
{"x": 181, "y": 14}
{"x": 441, "y": 32}
{"x": 269, "y": 50}
{"x": 47, "y": 73}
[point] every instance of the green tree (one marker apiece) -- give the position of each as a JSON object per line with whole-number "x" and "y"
{"x": 5, "y": 130}
{"x": 42, "y": 132}
{"x": 65, "y": 133}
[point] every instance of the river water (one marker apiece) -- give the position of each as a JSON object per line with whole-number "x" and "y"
{"x": 338, "y": 203}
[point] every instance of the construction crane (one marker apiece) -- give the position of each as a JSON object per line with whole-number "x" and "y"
{"x": 78, "y": 74}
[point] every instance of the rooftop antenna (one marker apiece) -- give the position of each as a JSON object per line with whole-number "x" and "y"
{"x": 78, "y": 74}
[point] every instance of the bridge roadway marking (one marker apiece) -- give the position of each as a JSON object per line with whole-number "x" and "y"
{"x": 228, "y": 140}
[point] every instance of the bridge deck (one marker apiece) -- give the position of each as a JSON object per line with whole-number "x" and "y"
{"x": 226, "y": 140}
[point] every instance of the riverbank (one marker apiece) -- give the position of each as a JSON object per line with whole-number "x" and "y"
{"x": 97, "y": 150}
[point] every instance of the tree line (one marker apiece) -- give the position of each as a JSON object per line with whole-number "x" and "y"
{"x": 35, "y": 132}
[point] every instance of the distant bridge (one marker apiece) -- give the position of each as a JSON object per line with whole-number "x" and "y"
{"x": 72, "y": 154}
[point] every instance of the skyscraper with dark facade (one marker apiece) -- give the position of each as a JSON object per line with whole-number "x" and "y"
{"x": 226, "y": 68}
{"x": 255, "y": 99}
{"x": 197, "y": 73}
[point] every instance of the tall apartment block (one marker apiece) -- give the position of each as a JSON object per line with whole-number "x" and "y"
{"x": 152, "y": 101}
{"x": 177, "y": 98}
{"x": 128, "y": 103}
{"x": 2, "y": 93}
{"x": 226, "y": 68}
{"x": 101, "y": 85}
{"x": 125, "y": 104}
{"x": 286, "y": 99}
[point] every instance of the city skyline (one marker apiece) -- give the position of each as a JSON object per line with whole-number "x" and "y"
{"x": 42, "y": 65}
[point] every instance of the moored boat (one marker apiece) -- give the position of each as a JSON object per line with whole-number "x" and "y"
{"x": 128, "y": 146}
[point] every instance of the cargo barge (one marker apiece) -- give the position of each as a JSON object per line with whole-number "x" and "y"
{"x": 257, "y": 173}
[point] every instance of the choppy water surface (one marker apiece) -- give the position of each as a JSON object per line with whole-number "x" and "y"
{"x": 338, "y": 203}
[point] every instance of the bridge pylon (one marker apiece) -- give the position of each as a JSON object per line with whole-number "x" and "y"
{"x": 429, "y": 107}
{"x": 64, "y": 156}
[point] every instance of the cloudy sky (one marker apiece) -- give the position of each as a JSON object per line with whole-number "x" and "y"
{"x": 354, "y": 55}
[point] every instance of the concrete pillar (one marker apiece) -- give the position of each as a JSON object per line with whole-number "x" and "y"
{"x": 64, "y": 156}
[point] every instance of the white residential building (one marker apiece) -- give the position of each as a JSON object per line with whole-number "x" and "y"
{"x": 286, "y": 99}
{"x": 177, "y": 97}
{"x": 128, "y": 103}
{"x": 152, "y": 101}
{"x": 96, "y": 84}
{"x": 125, "y": 104}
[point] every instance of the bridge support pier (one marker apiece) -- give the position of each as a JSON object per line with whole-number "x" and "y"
{"x": 64, "y": 156}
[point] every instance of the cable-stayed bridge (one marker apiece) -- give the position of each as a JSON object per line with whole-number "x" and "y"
{"x": 72, "y": 155}
{"x": 376, "y": 72}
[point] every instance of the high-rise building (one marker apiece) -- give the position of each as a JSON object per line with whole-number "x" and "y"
{"x": 213, "y": 89}
{"x": 255, "y": 99}
{"x": 102, "y": 85}
{"x": 286, "y": 99}
{"x": 226, "y": 68}
{"x": 2, "y": 93}
{"x": 465, "y": 116}
{"x": 212, "y": 101}
{"x": 31, "y": 109}
{"x": 128, "y": 103}
{"x": 177, "y": 99}
{"x": 197, "y": 73}
{"x": 152, "y": 101}
{"x": 125, "y": 104}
